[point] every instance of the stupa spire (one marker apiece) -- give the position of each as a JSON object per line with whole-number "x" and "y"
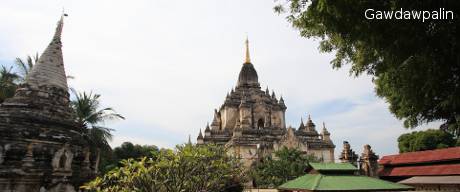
{"x": 49, "y": 70}
{"x": 248, "y": 58}
{"x": 248, "y": 75}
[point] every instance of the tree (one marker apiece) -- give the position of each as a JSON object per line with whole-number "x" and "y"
{"x": 127, "y": 150}
{"x": 90, "y": 116}
{"x": 287, "y": 164}
{"x": 8, "y": 83}
{"x": 10, "y": 78}
{"x": 24, "y": 67}
{"x": 425, "y": 140}
{"x": 415, "y": 64}
{"x": 187, "y": 168}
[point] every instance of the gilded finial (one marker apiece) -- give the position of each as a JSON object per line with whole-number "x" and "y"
{"x": 248, "y": 59}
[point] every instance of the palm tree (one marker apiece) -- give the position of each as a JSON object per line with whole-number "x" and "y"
{"x": 89, "y": 117}
{"x": 8, "y": 83}
{"x": 24, "y": 67}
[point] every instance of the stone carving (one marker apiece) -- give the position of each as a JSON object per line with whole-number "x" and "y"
{"x": 29, "y": 157}
{"x": 62, "y": 160}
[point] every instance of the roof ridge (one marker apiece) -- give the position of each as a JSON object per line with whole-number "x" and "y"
{"x": 436, "y": 155}
{"x": 317, "y": 181}
{"x": 425, "y": 151}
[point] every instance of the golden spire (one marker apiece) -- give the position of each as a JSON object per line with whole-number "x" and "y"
{"x": 248, "y": 59}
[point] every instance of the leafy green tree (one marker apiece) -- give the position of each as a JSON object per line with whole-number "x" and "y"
{"x": 90, "y": 116}
{"x": 187, "y": 168}
{"x": 10, "y": 78}
{"x": 8, "y": 83}
{"x": 287, "y": 164}
{"x": 425, "y": 140}
{"x": 127, "y": 150}
{"x": 415, "y": 65}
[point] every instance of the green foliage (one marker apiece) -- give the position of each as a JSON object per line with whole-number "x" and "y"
{"x": 425, "y": 140}
{"x": 24, "y": 67}
{"x": 287, "y": 164}
{"x": 127, "y": 150}
{"x": 8, "y": 83}
{"x": 10, "y": 78}
{"x": 187, "y": 168}
{"x": 415, "y": 65}
{"x": 90, "y": 116}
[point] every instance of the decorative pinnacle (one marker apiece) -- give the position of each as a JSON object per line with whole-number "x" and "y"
{"x": 200, "y": 136}
{"x": 60, "y": 25}
{"x": 58, "y": 32}
{"x": 207, "y": 128}
{"x": 325, "y": 132}
{"x": 248, "y": 59}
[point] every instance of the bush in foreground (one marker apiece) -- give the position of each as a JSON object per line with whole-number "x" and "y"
{"x": 187, "y": 168}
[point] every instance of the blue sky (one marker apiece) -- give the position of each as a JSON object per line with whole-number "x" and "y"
{"x": 166, "y": 65}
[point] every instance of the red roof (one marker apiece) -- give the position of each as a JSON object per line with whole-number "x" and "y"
{"x": 437, "y": 155}
{"x": 426, "y": 170}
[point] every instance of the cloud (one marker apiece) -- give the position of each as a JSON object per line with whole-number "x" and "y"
{"x": 165, "y": 65}
{"x": 369, "y": 123}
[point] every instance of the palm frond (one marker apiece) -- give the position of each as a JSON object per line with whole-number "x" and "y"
{"x": 25, "y": 67}
{"x": 8, "y": 83}
{"x": 90, "y": 116}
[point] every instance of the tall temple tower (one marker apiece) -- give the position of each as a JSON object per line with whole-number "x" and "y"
{"x": 251, "y": 123}
{"x": 41, "y": 146}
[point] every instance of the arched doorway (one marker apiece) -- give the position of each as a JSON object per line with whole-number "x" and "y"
{"x": 260, "y": 124}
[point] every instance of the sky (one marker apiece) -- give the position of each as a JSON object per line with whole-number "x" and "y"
{"x": 166, "y": 64}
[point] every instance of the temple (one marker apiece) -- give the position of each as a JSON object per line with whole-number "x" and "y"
{"x": 41, "y": 146}
{"x": 251, "y": 123}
